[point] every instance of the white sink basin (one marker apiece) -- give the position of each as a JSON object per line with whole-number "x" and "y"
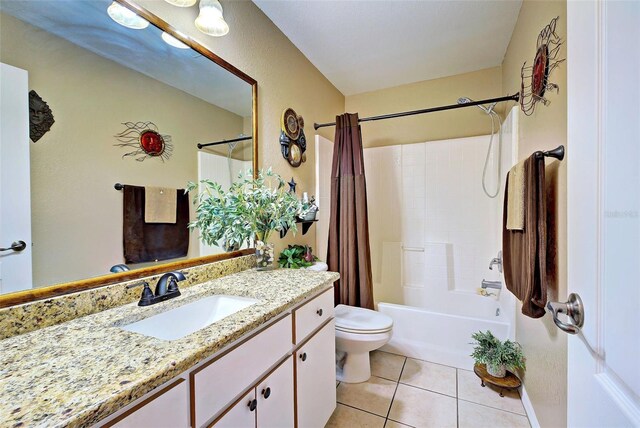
{"x": 186, "y": 319}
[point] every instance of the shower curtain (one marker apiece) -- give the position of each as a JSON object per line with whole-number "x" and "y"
{"x": 348, "y": 252}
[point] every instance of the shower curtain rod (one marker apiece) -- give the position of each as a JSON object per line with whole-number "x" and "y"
{"x": 514, "y": 97}
{"x": 200, "y": 145}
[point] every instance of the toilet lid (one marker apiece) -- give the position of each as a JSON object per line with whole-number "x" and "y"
{"x": 360, "y": 320}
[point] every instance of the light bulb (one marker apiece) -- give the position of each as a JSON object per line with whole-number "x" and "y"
{"x": 210, "y": 20}
{"x": 126, "y": 17}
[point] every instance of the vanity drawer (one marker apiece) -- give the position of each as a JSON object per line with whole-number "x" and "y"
{"x": 167, "y": 408}
{"x": 312, "y": 314}
{"x": 216, "y": 384}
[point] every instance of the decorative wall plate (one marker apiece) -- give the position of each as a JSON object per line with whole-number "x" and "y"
{"x": 535, "y": 78}
{"x": 290, "y": 124}
{"x": 293, "y": 142}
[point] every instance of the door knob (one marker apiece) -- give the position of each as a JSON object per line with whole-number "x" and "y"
{"x": 16, "y": 246}
{"x": 573, "y": 308}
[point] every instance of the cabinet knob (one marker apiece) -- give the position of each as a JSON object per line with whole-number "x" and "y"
{"x": 303, "y": 356}
{"x": 319, "y": 312}
{"x": 253, "y": 404}
{"x": 266, "y": 393}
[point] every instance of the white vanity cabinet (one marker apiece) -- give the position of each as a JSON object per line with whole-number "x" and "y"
{"x": 315, "y": 361}
{"x": 316, "y": 378}
{"x": 241, "y": 415}
{"x": 167, "y": 408}
{"x": 220, "y": 380}
{"x": 281, "y": 371}
{"x": 268, "y": 405}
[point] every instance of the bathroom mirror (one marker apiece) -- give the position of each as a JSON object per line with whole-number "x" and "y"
{"x": 108, "y": 104}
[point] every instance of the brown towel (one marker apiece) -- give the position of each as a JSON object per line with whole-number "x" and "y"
{"x": 524, "y": 251}
{"x": 147, "y": 242}
{"x": 160, "y": 205}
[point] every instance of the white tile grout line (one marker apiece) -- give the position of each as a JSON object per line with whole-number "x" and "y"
{"x": 457, "y": 403}
{"x": 494, "y": 408}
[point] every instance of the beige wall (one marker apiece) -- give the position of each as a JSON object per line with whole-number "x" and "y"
{"x": 285, "y": 79}
{"x": 76, "y": 212}
{"x": 429, "y": 93}
{"x": 545, "y": 346}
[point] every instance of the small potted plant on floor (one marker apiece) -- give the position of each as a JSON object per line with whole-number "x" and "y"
{"x": 252, "y": 209}
{"x": 498, "y": 356}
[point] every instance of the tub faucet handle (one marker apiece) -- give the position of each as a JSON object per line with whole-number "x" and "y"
{"x": 496, "y": 261}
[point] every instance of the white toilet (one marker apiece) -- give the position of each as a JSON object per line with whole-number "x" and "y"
{"x": 358, "y": 332}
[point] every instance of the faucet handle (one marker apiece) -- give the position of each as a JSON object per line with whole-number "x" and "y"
{"x": 146, "y": 298}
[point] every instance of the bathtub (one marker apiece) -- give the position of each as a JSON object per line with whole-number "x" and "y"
{"x": 442, "y": 333}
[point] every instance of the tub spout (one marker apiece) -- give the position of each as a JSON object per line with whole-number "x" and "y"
{"x": 491, "y": 284}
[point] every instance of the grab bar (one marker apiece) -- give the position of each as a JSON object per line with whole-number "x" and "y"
{"x": 416, "y": 249}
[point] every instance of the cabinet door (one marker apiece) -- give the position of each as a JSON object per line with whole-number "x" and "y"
{"x": 215, "y": 385}
{"x": 275, "y": 398}
{"x": 241, "y": 415}
{"x": 169, "y": 408}
{"x": 316, "y": 378}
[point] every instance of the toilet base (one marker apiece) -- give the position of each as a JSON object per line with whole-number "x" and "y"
{"x": 356, "y": 368}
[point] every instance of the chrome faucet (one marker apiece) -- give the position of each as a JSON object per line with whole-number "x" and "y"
{"x": 496, "y": 261}
{"x": 497, "y": 285}
{"x": 167, "y": 288}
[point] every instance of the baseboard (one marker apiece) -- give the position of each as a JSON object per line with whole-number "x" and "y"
{"x": 528, "y": 407}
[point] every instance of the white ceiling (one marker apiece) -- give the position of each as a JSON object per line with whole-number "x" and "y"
{"x": 368, "y": 45}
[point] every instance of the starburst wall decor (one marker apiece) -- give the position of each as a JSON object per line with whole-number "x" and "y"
{"x": 145, "y": 140}
{"x": 535, "y": 78}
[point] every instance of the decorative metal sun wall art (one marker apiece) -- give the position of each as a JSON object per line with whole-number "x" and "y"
{"x": 535, "y": 78}
{"x": 145, "y": 140}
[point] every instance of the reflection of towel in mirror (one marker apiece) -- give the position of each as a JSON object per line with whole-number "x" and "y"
{"x": 147, "y": 242}
{"x": 524, "y": 251}
{"x": 160, "y": 205}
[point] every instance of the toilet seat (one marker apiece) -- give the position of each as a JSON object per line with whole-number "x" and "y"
{"x": 350, "y": 319}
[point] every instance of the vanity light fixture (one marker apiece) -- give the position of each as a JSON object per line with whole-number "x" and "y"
{"x": 182, "y": 3}
{"x": 210, "y": 20}
{"x": 170, "y": 40}
{"x": 126, "y": 17}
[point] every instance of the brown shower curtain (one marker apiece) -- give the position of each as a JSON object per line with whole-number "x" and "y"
{"x": 348, "y": 251}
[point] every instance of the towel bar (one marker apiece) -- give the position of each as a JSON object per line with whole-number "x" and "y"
{"x": 557, "y": 153}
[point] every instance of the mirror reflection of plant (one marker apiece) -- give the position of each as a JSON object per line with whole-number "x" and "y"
{"x": 252, "y": 207}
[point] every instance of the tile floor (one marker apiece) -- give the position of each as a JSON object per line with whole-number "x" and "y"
{"x": 405, "y": 392}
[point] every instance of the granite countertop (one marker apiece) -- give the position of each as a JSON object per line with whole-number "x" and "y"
{"x": 79, "y": 372}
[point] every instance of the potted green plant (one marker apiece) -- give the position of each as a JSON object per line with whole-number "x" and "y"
{"x": 296, "y": 257}
{"x": 498, "y": 356}
{"x": 252, "y": 209}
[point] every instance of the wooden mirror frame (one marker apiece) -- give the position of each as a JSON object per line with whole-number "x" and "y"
{"x": 34, "y": 294}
